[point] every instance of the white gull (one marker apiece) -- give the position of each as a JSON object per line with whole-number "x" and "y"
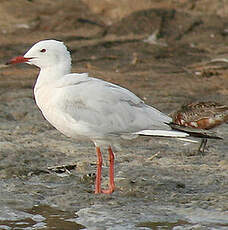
{"x": 80, "y": 106}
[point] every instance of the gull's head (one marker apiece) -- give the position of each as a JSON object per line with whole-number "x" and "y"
{"x": 46, "y": 53}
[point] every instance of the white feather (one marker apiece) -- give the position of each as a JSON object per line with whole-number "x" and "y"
{"x": 187, "y": 140}
{"x": 163, "y": 133}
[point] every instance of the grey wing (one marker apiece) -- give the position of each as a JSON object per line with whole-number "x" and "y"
{"x": 109, "y": 109}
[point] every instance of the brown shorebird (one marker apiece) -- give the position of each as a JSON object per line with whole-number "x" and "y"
{"x": 201, "y": 115}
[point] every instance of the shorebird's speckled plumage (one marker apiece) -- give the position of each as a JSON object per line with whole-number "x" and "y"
{"x": 201, "y": 115}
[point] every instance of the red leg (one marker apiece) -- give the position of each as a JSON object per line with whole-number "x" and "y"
{"x": 111, "y": 173}
{"x": 99, "y": 170}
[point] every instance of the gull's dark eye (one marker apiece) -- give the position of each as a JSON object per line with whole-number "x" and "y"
{"x": 43, "y": 50}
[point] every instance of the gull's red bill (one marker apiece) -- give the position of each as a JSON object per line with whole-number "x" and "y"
{"x": 19, "y": 59}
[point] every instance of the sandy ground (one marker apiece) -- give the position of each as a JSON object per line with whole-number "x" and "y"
{"x": 167, "y": 52}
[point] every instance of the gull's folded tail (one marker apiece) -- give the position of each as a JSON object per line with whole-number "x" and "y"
{"x": 162, "y": 133}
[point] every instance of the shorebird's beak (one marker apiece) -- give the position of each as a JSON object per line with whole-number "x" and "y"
{"x": 19, "y": 59}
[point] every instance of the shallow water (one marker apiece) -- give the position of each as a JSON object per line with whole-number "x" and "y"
{"x": 39, "y": 217}
{"x": 99, "y": 217}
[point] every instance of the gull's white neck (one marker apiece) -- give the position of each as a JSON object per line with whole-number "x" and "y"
{"x": 49, "y": 75}
{"x": 46, "y": 81}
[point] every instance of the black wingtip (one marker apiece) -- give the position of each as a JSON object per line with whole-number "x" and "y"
{"x": 194, "y": 132}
